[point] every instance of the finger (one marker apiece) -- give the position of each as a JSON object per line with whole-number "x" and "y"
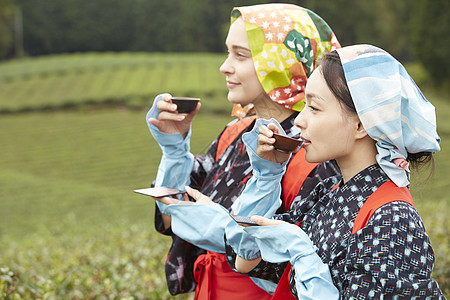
{"x": 186, "y": 197}
{"x": 197, "y": 195}
{"x": 166, "y": 106}
{"x": 265, "y": 131}
{"x": 168, "y": 116}
{"x": 166, "y": 97}
{"x": 165, "y": 200}
{"x": 274, "y": 128}
{"x": 265, "y": 140}
{"x": 192, "y": 114}
{"x": 154, "y": 122}
{"x": 265, "y": 221}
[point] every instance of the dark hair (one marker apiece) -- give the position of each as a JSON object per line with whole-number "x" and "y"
{"x": 333, "y": 73}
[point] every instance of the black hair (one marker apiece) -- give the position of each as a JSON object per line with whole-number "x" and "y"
{"x": 333, "y": 73}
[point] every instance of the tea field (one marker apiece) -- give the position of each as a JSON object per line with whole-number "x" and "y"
{"x": 73, "y": 146}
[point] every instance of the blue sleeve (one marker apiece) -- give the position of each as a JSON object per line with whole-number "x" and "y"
{"x": 261, "y": 195}
{"x": 202, "y": 225}
{"x": 176, "y": 162}
{"x": 289, "y": 242}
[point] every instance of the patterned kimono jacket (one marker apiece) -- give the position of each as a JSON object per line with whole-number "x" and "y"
{"x": 392, "y": 255}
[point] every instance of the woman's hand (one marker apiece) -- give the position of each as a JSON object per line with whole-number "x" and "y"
{"x": 195, "y": 194}
{"x": 265, "y": 148}
{"x": 261, "y": 221}
{"x": 169, "y": 120}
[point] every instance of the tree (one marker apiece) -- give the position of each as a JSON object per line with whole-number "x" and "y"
{"x": 7, "y": 13}
{"x": 429, "y": 26}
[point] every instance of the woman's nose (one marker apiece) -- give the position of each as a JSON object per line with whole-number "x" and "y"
{"x": 300, "y": 121}
{"x": 226, "y": 68}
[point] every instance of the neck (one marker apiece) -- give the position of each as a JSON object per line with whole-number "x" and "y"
{"x": 363, "y": 155}
{"x": 267, "y": 109}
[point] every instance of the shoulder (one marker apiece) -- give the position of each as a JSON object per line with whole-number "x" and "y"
{"x": 395, "y": 229}
{"x": 397, "y": 214}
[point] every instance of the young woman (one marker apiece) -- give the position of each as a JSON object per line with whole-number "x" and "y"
{"x": 364, "y": 111}
{"x": 272, "y": 50}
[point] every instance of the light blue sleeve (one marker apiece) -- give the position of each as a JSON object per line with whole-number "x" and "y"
{"x": 289, "y": 242}
{"x": 176, "y": 162}
{"x": 202, "y": 224}
{"x": 261, "y": 195}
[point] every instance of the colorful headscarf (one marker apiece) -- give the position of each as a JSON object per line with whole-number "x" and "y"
{"x": 285, "y": 42}
{"x": 391, "y": 107}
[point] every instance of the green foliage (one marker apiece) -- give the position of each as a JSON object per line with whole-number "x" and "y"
{"x": 70, "y": 225}
{"x": 125, "y": 79}
{"x": 7, "y": 11}
{"x": 430, "y": 40}
{"x": 409, "y": 30}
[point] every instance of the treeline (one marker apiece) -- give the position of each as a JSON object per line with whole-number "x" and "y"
{"x": 410, "y": 30}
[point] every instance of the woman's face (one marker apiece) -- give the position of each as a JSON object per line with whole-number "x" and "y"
{"x": 327, "y": 128}
{"x": 242, "y": 82}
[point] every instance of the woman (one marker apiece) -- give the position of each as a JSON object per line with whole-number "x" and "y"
{"x": 272, "y": 50}
{"x": 364, "y": 111}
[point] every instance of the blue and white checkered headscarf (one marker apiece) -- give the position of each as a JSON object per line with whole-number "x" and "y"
{"x": 391, "y": 107}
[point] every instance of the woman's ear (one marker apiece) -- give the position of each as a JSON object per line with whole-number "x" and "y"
{"x": 360, "y": 132}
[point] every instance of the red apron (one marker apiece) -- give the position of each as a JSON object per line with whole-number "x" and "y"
{"x": 216, "y": 280}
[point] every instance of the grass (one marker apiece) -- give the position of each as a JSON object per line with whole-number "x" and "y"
{"x": 70, "y": 225}
{"x": 126, "y": 79}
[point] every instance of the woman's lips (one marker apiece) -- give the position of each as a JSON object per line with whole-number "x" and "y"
{"x": 231, "y": 84}
{"x": 306, "y": 142}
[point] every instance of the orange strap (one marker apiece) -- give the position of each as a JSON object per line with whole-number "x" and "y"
{"x": 231, "y": 133}
{"x": 297, "y": 171}
{"x": 216, "y": 280}
{"x": 386, "y": 193}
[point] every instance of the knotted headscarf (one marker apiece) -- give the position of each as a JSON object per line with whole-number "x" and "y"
{"x": 391, "y": 107}
{"x": 285, "y": 42}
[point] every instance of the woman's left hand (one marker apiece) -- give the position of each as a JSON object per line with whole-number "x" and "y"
{"x": 266, "y": 222}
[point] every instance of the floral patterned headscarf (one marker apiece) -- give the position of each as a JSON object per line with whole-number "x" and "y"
{"x": 285, "y": 41}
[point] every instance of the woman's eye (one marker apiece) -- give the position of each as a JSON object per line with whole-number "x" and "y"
{"x": 312, "y": 108}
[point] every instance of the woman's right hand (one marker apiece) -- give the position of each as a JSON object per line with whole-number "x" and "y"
{"x": 265, "y": 148}
{"x": 169, "y": 120}
{"x": 195, "y": 194}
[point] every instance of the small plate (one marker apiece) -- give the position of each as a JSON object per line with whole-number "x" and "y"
{"x": 159, "y": 192}
{"x": 185, "y": 105}
{"x": 286, "y": 144}
{"x": 243, "y": 221}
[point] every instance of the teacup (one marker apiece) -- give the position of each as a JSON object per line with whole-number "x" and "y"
{"x": 185, "y": 105}
{"x": 286, "y": 144}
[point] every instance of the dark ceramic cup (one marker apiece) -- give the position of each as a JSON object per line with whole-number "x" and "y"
{"x": 286, "y": 144}
{"x": 185, "y": 105}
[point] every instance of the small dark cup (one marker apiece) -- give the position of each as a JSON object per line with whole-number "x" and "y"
{"x": 286, "y": 144}
{"x": 185, "y": 105}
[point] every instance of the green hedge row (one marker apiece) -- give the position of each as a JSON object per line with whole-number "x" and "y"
{"x": 129, "y": 79}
